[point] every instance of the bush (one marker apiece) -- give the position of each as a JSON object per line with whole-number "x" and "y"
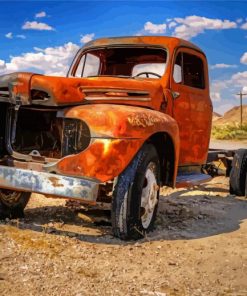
{"x": 229, "y": 132}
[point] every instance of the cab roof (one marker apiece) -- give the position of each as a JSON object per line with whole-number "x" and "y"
{"x": 163, "y": 41}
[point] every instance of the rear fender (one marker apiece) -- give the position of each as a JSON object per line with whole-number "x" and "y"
{"x": 117, "y": 133}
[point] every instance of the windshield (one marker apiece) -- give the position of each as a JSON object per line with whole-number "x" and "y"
{"x": 131, "y": 62}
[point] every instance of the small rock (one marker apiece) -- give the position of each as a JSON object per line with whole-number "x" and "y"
{"x": 70, "y": 234}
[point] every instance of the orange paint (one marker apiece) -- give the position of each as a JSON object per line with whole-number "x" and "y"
{"x": 119, "y": 132}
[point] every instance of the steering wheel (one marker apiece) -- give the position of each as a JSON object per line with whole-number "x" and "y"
{"x": 147, "y": 74}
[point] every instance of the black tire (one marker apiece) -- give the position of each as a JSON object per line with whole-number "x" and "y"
{"x": 128, "y": 217}
{"x": 13, "y": 203}
{"x": 238, "y": 173}
{"x": 246, "y": 186}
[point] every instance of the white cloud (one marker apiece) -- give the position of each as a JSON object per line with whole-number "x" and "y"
{"x": 216, "y": 88}
{"x": 37, "y": 26}
{"x": 226, "y": 90}
{"x": 152, "y": 28}
{"x": 222, "y": 66}
{"x": 2, "y": 65}
{"x": 243, "y": 59}
{"x": 51, "y": 60}
{"x": 215, "y": 96}
{"x": 172, "y": 24}
{"x": 9, "y": 35}
{"x": 244, "y": 26}
{"x": 239, "y": 20}
{"x": 187, "y": 27}
{"x": 40, "y": 14}
{"x": 38, "y": 48}
{"x": 239, "y": 79}
{"x": 193, "y": 25}
{"x": 86, "y": 38}
{"x": 21, "y": 36}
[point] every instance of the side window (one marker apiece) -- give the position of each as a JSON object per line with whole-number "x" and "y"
{"x": 88, "y": 66}
{"x": 80, "y": 66}
{"x": 193, "y": 72}
{"x": 92, "y": 64}
{"x": 188, "y": 70}
{"x": 177, "y": 71}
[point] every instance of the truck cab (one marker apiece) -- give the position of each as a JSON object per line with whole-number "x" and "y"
{"x": 132, "y": 115}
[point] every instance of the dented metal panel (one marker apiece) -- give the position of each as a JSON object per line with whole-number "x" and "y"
{"x": 48, "y": 184}
{"x": 118, "y": 132}
{"x": 15, "y": 88}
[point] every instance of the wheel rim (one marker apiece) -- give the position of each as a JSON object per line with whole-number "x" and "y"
{"x": 9, "y": 197}
{"x": 149, "y": 198}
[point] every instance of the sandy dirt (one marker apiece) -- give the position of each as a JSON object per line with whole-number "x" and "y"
{"x": 199, "y": 247}
{"x": 227, "y": 144}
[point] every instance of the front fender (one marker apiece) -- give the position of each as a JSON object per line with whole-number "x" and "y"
{"x": 117, "y": 133}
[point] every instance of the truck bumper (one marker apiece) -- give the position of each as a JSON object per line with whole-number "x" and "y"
{"x": 48, "y": 184}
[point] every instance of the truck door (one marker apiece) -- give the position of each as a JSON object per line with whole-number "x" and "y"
{"x": 192, "y": 107}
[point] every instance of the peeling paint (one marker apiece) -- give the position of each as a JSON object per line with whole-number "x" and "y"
{"x": 45, "y": 183}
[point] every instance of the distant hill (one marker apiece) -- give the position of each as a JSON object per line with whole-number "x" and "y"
{"x": 216, "y": 116}
{"x": 231, "y": 117}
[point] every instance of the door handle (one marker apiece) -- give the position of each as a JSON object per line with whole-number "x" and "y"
{"x": 175, "y": 94}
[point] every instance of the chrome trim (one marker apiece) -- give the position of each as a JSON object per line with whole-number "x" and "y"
{"x": 92, "y": 98}
{"x": 48, "y": 184}
{"x": 114, "y": 90}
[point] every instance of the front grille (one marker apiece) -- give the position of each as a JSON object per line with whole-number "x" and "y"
{"x": 4, "y": 92}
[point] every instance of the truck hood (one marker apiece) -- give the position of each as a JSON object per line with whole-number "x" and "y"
{"x": 30, "y": 88}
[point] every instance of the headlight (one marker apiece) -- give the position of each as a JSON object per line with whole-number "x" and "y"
{"x": 75, "y": 137}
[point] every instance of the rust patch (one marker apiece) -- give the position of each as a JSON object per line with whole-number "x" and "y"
{"x": 55, "y": 182}
{"x": 143, "y": 120}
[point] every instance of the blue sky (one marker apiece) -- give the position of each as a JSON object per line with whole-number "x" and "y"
{"x": 43, "y": 36}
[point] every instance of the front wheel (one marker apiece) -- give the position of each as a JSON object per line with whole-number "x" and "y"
{"x": 136, "y": 195}
{"x": 12, "y": 203}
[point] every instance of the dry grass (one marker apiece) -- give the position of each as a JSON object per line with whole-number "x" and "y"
{"x": 229, "y": 132}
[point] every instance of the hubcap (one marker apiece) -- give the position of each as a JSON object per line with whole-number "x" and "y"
{"x": 149, "y": 198}
{"x": 9, "y": 197}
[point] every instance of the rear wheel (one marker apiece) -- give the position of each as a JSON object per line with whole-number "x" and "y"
{"x": 246, "y": 185}
{"x": 136, "y": 195}
{"x": 238, "y": 173}
{"x": 13, "y": 203}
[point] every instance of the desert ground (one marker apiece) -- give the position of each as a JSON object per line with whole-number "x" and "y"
{"x": 228, "y": 145}
{"x": 199, "y": 247}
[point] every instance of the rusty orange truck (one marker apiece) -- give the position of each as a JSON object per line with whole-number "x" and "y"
{"x": 132, "y": 115}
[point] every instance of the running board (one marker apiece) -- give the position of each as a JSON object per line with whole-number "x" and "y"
{"x": 190, "y": 180}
